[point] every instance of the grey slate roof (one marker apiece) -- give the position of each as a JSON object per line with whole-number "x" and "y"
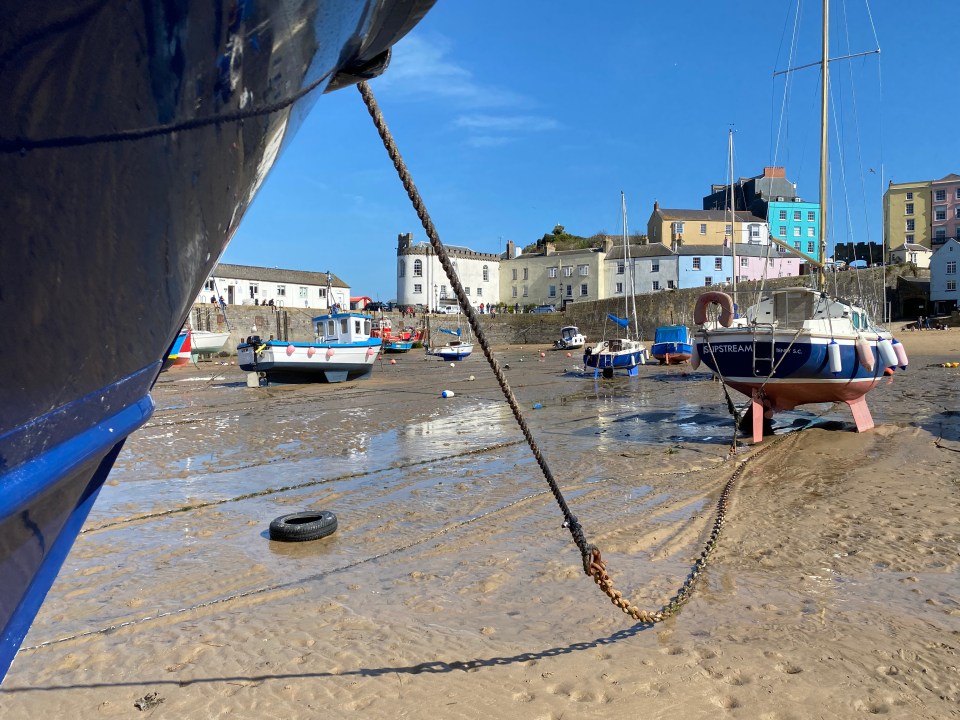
{"x": 713, "y": 215}
{"x": 278, "y": 275}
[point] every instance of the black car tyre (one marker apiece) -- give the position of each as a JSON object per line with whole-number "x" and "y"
{"x": 297, "y": 527}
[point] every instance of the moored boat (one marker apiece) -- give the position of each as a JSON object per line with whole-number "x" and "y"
{"x": 204, "y": 342}
{"x": 454, "y": 349}
{"x": 128, "y": 189}
{"x": 671, "y": 345}
{"x": 343, "y": 350}
{"x": 570, "y": 338}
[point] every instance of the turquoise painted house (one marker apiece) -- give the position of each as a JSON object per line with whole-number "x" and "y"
{"x": 796, "y": 223}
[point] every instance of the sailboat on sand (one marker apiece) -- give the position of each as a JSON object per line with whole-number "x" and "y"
{"x": 626, "y": 352}
{"x": 798, "y": 345}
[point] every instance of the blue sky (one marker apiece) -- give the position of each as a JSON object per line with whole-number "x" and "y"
{"x": 516, "y": 116}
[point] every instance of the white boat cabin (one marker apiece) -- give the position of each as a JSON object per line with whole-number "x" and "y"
{"x": 342, "y": 328}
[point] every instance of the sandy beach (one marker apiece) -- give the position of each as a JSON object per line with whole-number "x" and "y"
{"x": 451, "y": 589}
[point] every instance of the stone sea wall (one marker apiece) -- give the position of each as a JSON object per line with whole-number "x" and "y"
{"x": 671, "y": 307}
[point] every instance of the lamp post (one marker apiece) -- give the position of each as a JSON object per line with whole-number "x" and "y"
{"x": 436, "y": 297}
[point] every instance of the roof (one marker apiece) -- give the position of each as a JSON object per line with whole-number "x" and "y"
{"x": 952, "y": 177}
{"x": 913, "y": 247}
{"x": 711, "y": 215}
{"x": 279, "y": 275}
{"x": 639, "y": 251}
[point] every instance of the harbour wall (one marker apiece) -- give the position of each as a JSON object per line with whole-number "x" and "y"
{"x": 670, "y": 307}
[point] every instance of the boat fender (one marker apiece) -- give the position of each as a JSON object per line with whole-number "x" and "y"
{"x": 865, "y": 353}
{"x": 694, "y": 356}
{"x": 887, "y": 353}
{"x": 290, "y": 350}
{"x": 901, "y": 354}
{"x": 833, "y": 355}
{"x": 709, "y": 298}
{"x": 329, "y": 353}
{"x": 447, "y": 394}
{"x": 297, "y": 527}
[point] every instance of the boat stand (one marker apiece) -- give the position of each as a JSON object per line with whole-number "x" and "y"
{"x": 758, "y": 412}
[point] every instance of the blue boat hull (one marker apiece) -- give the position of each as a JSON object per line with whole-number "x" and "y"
{"x": 798, "y": 374}
{"x": 674, "y": 351}
{"x": 135, "y": 137}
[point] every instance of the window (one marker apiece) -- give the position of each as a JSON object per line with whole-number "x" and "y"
{"x": 417, "y": 289}
{"x": 696, "y": 263}
{"x": 552, "y": 272}
{"x": 951, "y": 285}
{"x": 526, "y": 292}
{"x": 303, "y": 292}
{"x": 209, "y": 285}
{"x": 514, "y": 274}
{"x": 583, "y": 270}
{"x": 708, "y": 281}
{"x": 796, "y": 216}
{"x": 811, "y": 215}
{"x": 952, "y": 267}
{"x": 728, "y": 229}
{"x": 568, "y": 271}
{"x": 909, "y": 196}
{"x": 323, "y": 292}
{"x": 619, "y": 288}
{"x": 811, "y": 232}
{"x": 743, "y": 262}
{"x": 552, "y": 291}
{"x": 939, "y": 235}
{"x": 486, "y": 274}
{"x": 718, "y": 263}
{"x": 443, "y": 292}
{"x": 526, "y": 274}
{"x": 782, "y": 231}
{"x": 281, "y": 290}
{"x": 796, "y": 245}
{"x": 957, "y": 194}
{"x": 754, "y": 231}
{"x": 466, "y": 290}
{"x": 655, "y": 266}
{"x": 940, "y": 213}
{"x": 810, "y": 248}
{"x": 678, "y": 228}
{"x": 254, "y": 290}
{"x": 957, "y": 211}
{"x": 513, "y": 292}
{"x": 796, "y": 231}
{"x": 783, "y": 214}
{"x": 703, "y": 228}
{"x": 656, "y": 284}
{"x": 908, "y": 209}
{"x": 910, "y": 225}
{"x": 940, "y": 195}
{"x": 584, "y": 290}
{"x": 569, "y": 290}
{"x": 418, "y": 268}
{"x": 479, "y": 292}
{"x": 670, "y": 284}
{"x": 620, "y": 267}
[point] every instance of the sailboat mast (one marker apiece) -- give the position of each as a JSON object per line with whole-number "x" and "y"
{"x": 824, "y": 94}
{"x": 733, "y": 217}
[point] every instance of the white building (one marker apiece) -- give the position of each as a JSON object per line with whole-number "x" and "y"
{"x": 249, "y": 285}
{"x": 421, "y": 279}
{"x": 944, "y": 275}
{"x": 914, "y": 253}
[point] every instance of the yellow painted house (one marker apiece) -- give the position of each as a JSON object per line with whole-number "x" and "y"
{"x": 906, "y": 214}
{"x": 675, "y": 228}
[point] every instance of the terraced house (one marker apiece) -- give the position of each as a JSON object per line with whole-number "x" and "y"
{"x": 926, "y": 212}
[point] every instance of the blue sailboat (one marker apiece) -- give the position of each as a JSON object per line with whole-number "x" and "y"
{"x": 671, "y": 345}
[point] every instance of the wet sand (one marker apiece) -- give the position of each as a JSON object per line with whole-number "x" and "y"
{"x": 450, "y": 589}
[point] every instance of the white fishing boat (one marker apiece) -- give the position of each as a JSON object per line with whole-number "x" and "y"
{"x": 453, "y": 349}
{"x": 796, "y": 346}
{"x": 342, "y": 350}
{"x": 570, "y": 338}
{"x": 626, "y": 352}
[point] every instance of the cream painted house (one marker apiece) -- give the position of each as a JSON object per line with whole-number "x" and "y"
{"x": 911, "y": 253}
{"x": 551, "y": 277}
{"x": 705, "y": 227}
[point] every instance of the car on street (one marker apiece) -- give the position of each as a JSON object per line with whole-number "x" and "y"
{"x": 375, "y": 306}
{"x": 544, "y": 309}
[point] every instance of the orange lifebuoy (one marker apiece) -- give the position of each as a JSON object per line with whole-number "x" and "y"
{"x": 708, "y": 298}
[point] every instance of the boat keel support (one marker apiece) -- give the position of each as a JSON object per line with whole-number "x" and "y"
{"x": 861, "y": 413}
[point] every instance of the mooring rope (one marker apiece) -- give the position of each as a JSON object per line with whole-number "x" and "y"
{"x": 593, "y": 564}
